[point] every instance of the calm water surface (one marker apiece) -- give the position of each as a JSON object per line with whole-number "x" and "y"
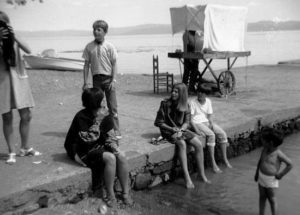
{"x": 135, "y": 51}
{"x": 232, "y": 192}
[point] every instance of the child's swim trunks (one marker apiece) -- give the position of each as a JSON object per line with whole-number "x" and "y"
{"x": 267, "y": 181}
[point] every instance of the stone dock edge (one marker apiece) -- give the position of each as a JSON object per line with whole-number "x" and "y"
{"x": 148, "y": 170}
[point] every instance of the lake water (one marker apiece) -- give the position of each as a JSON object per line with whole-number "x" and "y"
{"x": 233, "y": 192}
{"x": 136, "y": 51}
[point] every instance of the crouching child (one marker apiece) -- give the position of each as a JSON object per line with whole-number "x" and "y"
{"x": 91, "y": 142}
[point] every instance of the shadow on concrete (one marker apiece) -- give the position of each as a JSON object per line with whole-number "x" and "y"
{"x": 151, "y": 135}
{"x": 63, "y": 158}
{"x": 55, "y": 134}
{"x": 3, "y": 156}
{"x": 149, "y": 94}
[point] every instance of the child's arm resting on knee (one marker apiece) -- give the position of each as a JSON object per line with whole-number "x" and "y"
{"x": 283, "y": 158}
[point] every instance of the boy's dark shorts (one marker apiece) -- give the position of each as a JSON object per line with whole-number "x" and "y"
{"x": 94, "y": 159}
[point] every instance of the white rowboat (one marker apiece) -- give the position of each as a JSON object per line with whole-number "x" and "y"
{"x": 54, "y": 63}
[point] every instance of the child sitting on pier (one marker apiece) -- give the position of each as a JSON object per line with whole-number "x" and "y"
{"x": 173, "y": 119}
{"x": 202, "y": 123}
{"x": 268, "y": 171}
{"x": 91, "y": 142}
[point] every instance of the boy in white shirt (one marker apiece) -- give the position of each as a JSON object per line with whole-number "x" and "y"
{"x": 201, "y": 111}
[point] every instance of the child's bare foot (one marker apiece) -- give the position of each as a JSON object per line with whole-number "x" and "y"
{"x": 111, "y": 202}
{"x": 189, "y": 185}
{"x": 207, "y": 181}
{"x": 217, "y": 170}
{"x": 204, "y": 179}
{"x": 228, "y": 165}
{"x": 127, "y": 199}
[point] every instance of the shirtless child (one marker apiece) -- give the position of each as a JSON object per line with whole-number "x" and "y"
{"x": 268, "y": 172}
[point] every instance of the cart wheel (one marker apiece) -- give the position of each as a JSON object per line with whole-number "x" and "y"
{"x": 226, "y": 82}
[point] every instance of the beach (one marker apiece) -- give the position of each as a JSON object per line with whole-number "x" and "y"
{"x": 268, "y": 93}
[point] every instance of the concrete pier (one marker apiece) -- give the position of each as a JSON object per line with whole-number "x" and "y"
{"x": 264, "y": 95}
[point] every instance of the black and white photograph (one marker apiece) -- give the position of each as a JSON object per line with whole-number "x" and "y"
{"x": 149, "y": 107}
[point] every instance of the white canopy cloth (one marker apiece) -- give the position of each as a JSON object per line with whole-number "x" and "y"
{"x": 223, "y": 26}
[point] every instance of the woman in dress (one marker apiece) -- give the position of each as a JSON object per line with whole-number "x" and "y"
{"x": 15, "y": 92}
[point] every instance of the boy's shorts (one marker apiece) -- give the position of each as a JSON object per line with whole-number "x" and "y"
{"x": 267, "y": 181}
{"x": 94, "y": 159}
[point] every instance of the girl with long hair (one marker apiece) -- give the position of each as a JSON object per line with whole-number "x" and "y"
{"x": 173, "y": 119}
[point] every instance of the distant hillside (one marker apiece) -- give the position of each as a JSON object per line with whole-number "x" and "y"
{"x": 274, "y": 26}
{"x": 165, "y": 29}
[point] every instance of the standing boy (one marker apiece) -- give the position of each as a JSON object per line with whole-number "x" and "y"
{"x": 268, "y": 172}
{"x": 101, "y": 57}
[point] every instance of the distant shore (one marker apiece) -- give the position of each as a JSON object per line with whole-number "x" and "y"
{"x": 163, "y": 29}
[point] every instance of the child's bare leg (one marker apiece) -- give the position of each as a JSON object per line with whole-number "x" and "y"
{"x": 215, "y": 167}
{"x": 24, "y": 127}
{"x": 123, "y": 175}
{"x": 122, "y": 172}
{"x": 183, "y": 161}
{"x": 109, "y": 173}
{"x": 224, "y": 153}
{"x": 262, "y": 199}
{"x": 199, "y": 155}
{"x": 272, "y": 200}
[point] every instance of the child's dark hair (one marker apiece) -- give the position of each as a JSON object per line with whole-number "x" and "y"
{"x": 92, "y": 98}
{"x": 101, "y": 24}
{"x": 202, "y": 90}
{"x": 272, "y": 134}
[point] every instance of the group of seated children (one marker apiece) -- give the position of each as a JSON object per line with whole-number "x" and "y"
{"x": 182, "y": 122}
{"x": 91, "y": 142}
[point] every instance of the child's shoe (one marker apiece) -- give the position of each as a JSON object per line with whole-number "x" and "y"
{"x": 29, "y": 152}
{"x": 11, "y": 158}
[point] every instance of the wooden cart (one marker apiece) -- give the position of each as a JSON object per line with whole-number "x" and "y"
{"x": 226, "y": 80}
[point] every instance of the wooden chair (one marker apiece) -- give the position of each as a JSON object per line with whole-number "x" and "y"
{"x": 161, "y": 80}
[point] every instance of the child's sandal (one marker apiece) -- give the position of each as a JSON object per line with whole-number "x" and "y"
{"x": 11, "y": 158}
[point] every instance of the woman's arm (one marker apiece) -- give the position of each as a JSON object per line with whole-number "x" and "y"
{"x": 160, "y": 120}
{"x": 22, "y": 45}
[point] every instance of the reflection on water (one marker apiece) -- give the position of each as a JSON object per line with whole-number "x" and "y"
{"x": 232, "y": 192}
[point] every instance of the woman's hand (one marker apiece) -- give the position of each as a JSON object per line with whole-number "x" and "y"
{"x": 4, "y": 32}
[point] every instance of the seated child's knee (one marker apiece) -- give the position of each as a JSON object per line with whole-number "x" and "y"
{"x": 109, "y": 158}
{"x": 211, "y": 144}
{"x": 181, "y": 144}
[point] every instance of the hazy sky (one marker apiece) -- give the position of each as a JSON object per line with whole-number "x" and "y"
{"x": 80, "y": 14}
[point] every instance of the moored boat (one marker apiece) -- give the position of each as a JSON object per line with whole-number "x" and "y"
{"x": 53, "y": 63}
